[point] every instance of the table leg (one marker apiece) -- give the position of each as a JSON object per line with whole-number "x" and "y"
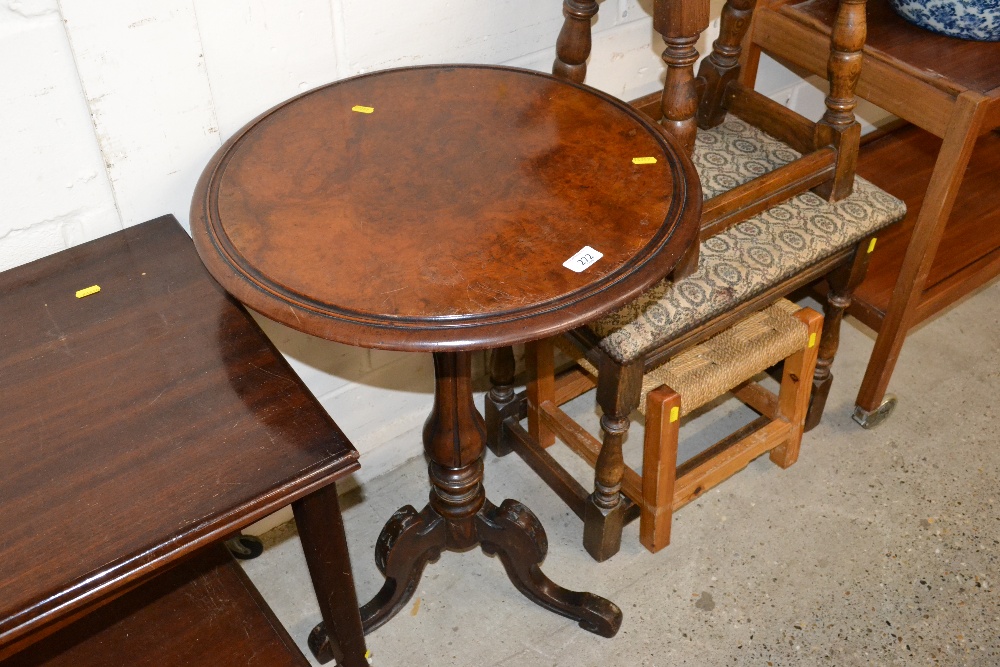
{"x": 321, "y": 529}
{"x": 900, "y": 316}
{"x": 459, "y": 517}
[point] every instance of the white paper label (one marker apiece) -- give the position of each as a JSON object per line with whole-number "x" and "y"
{"x": 582, "y": 259}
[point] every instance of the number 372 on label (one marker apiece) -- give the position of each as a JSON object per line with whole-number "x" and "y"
{"x": 582, "y": 259}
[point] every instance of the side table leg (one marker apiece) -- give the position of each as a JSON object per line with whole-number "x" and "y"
{"x": 514, "y": 534}
{"x": 404, "y": 547}
{"x": 321, "y": 529}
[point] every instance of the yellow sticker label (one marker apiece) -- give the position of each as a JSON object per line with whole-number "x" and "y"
{"x": 361, "y": 109}
{"x": 675, "y": 413}
{"x": 812, "y": 340}
{"x": 644, "y": 160}
{"x": 87, "y": 291}
{"x": 871, "y": 246}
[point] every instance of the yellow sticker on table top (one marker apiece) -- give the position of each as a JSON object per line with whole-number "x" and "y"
{"x": 675, "y": 413}
{"x": 87, "y": 291}
{"x": 644, "y": 160}
{"x": 812, "y": 340}
{"x": 362, "y": 109}
{"x": 871, "y": 246}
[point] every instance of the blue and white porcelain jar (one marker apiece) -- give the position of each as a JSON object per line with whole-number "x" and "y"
{"x": 967, "y": 19}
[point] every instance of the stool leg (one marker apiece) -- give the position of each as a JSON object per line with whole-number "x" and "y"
{"x": 793, "y": 397}
{"x": 618, "y": 393}
{"x": 539, "y": 356}
{"x": 659, "y": 467}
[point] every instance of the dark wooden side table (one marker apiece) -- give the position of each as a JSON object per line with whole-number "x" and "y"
{"x": 138, "y": 426}
{"x": 437, "y": 209}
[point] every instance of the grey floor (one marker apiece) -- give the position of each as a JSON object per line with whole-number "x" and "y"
{"x": 877, "y": 548}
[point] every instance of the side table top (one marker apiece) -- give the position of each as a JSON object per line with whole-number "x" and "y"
{"x": 433, "y": 208}
{"x": 138, "y": 423}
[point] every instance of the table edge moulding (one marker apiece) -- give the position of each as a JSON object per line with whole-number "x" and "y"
{"x": 484, "y": 331}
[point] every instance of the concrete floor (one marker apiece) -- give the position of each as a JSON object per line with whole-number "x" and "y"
{"x": 877, "y": 548}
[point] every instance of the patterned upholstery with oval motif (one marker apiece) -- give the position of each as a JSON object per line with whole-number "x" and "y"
{"x": 747, "y": 259}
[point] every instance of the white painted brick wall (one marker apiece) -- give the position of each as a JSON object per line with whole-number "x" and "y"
{"x": 109, "y": 110}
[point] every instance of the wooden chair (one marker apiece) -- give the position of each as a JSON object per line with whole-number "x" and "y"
{"x": 764, "y": 235}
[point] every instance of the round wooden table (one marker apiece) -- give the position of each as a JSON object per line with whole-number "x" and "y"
{"x": 448, "y": 209}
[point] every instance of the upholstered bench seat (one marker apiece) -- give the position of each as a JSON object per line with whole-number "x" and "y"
{"x": 747, "y": 259}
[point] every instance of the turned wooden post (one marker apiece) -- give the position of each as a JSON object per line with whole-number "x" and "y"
{"x": 573, "y": 44}
{"x": 838, "y": 127}
{"x": 723, "y": 64}
{"x": 604, "y": 514}
{"x": 842, "y": 282}
{"x": 680, "y": 24}
{"x": 499, "y": 399}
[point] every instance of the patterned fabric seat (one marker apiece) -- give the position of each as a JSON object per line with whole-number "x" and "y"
{"x": 747, "y": 259}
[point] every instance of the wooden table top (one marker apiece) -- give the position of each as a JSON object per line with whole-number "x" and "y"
{"x": 138, "y": 423}
{"x": 949, "y": 63}
{"x": 439, "y": 215}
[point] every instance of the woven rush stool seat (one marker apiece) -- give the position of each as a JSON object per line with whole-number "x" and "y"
{"x": 724, "y": 363}
{"x": 752, "y": 256}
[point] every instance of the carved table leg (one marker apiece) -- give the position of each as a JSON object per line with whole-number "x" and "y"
{"x": 459, "y": 517}
{"x": 514, "y": 534}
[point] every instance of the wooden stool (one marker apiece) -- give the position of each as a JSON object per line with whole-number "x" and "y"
{"x": 727, "y": 362}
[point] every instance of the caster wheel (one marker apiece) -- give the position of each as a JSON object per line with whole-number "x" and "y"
{"x": 870, "y": 420}
{"x": 245, "y": 547}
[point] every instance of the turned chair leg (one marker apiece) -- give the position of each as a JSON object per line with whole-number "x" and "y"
{"x": 793, "y": 396}
{"x": 659, "y": 467}
{"x": 838, "y": 128}
{"x": 833, "y": 310}
{"x": 618, "y": 393}
{"x": 723, "y": 64}
{"x": 574, "y": 41}
{"x": 842, "y": 282}
{"x": 680, "y": 24}
{"x": 500, "y": 400}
